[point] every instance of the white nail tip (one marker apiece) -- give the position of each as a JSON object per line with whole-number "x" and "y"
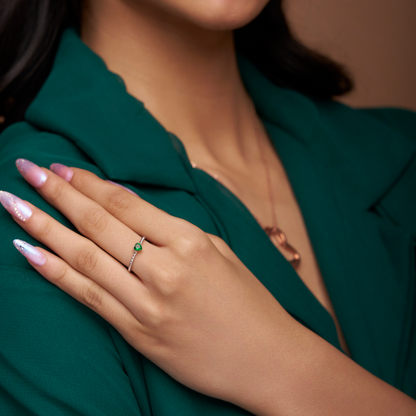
{"x": 31, "y": 253}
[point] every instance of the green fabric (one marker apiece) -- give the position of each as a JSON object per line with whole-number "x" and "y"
{"x": 354, "y": 175}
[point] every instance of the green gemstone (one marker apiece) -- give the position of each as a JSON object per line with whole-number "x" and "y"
{"x": 137, "y": 247}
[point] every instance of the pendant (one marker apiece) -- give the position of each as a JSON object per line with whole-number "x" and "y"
{"x": 281, "y": 238}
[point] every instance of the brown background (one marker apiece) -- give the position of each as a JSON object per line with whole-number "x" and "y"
{"x": 375, "y": 39}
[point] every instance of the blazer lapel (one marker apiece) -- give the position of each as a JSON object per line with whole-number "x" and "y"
{"x": 333, "y": 239}
{"x": 366, "y": 260}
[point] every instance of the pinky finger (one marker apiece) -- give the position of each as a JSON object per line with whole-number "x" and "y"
{"x": 84, "y": 290}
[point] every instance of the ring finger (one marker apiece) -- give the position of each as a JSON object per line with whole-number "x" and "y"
{"x": 80, "y": 253}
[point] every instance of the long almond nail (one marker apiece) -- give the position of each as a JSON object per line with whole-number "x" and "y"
{"x": 63, "y": 171}
{"x": 34, "y": 255}
{"x": 31, "y": 172}
{"x": 15, "y": 206}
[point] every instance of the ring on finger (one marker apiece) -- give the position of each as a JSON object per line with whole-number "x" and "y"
{"x": 137, "y": 247}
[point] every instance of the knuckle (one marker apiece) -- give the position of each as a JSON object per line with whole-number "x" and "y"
{"x": 55, "y": 191}
{"x": 192, "y": 245}
{"x": 91, "y": 295}
{"x": 85, "y": 261}
{"x": 43, "y": 229}
{"x": 81, "y": 179}
{"x": 59, "y": 273}
{"x": 154, "y": 316}
{"x": 169, "y": 283}
{"x": 154, "y": 346}
{"x": 166, "y": 279}
{"x": 118, "y": 202}
{"x": 93, "y": 221}
{"x": 134, "y": 333}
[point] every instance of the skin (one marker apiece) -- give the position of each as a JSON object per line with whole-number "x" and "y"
{"x": 288, "y": 370}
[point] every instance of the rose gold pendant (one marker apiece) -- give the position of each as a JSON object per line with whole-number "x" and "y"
{"x": 281, "y": 238}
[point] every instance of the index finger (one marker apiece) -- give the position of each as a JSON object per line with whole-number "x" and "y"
{"x": 142, "y": 217}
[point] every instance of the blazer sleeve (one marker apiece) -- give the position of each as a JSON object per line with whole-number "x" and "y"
{"x": 57, "y": 357}
{"x": 400, "y": 202}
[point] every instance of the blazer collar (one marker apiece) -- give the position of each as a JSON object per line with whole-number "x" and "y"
{"x": 85, "y": 102}
{"x": 364, "y": 155}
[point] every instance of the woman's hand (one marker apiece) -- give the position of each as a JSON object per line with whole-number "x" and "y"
{"x": 190, "y": 305}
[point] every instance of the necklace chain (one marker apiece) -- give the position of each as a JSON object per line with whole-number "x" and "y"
{"x": 274, "y": 231}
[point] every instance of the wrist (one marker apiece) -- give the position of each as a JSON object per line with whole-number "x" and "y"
{"x": 304, "y": 374}
{"x": 261, "y": 383}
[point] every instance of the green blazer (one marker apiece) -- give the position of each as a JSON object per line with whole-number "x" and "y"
{"x": 354, "y": 176}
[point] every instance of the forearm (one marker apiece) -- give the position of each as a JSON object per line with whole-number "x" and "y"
{"x": 305, "y": 375}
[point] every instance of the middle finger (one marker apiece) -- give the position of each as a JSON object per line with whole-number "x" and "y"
{"x": 90, "y": 218}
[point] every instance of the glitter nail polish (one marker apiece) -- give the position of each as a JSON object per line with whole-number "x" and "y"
{"x": 34, "y": 255}
{"x": 15, "y": 206}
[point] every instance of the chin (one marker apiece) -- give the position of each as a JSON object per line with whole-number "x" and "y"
{"x": 226, "y": 14}
{"x": 214, "y": 14}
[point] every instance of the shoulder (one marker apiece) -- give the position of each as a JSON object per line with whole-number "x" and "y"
{"x": 391, "y": 120}
{"x": 22, "y": 140}
{"x": 373, "y": 152}
{"x": 401, "y": 120}
{"x": 55, "y": 354}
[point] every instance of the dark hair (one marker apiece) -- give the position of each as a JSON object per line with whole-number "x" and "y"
{"x": 30, "y": 31}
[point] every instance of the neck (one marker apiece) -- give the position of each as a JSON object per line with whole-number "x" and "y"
{"x": 186, "y": 76}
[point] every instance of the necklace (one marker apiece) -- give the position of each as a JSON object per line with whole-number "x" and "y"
{"x": 273, "y": 231}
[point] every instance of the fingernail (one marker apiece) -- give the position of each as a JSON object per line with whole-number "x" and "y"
{"x": 15, "y": 206}
{"x": 31, "y": 253}
{"x": 63, "y": 171}
{"x": 31, "y": 172}
{"x": 121, "y": 186}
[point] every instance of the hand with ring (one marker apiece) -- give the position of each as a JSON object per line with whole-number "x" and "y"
{"x": 183, "y": 299}
{"x": 189, "y": 304}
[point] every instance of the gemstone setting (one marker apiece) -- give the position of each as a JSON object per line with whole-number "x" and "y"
{"x": 138, "y": 247}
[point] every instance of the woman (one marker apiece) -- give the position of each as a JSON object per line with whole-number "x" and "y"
{"x": 304, "y": 303}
